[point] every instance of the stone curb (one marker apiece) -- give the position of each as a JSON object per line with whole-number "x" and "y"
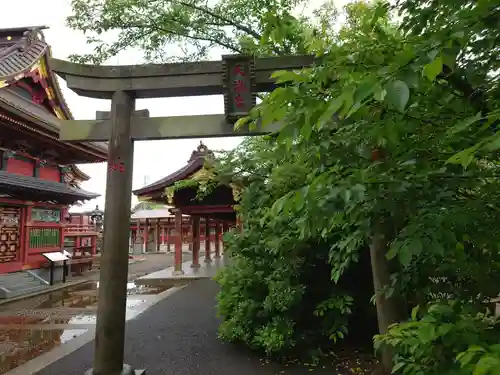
{"x": 54, "y": 288}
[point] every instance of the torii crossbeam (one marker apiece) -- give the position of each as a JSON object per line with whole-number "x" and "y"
{"x": 237, "y": 77}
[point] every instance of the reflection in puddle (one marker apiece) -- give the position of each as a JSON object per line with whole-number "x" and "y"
{"x": 20, "y": 346}
{"x": 73, "y": 306}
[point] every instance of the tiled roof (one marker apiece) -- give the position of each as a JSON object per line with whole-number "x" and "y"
{"x": 195, "y": 163}
{"x": 29, "y": 110}
{"x": 19, "y": 51}
{"x": 10, "y": 182}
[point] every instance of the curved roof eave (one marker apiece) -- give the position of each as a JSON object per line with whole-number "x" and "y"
{"x": 62, "y": 101}
{"x": 79, "y": 173}
{"x": 19, "y": 56}
{"x": 179, "y": 175}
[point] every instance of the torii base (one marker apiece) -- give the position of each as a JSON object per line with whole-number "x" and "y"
{"x": 127, "y": 370}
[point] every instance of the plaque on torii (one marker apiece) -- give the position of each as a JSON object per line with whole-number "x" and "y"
{"x": 236, "y": 77}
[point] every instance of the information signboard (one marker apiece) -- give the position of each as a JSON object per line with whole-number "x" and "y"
{"x": 56, "y": 256}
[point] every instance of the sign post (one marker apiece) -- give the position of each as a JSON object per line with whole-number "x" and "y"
{"x": 237, "y": 77}
{"x": 54, "y": 258}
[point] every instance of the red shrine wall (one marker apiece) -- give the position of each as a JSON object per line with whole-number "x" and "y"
{"x": 50, "y": 173}
{"x": 23, "y": 166}
{"x": 26, "y": 167}
{"x": 29, "y": 229}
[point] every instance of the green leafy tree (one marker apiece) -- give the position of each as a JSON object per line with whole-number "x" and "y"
{"x": 386, "y": 171}
{"x": 172, "y": 30}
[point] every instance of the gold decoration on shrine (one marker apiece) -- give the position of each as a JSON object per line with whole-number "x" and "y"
{"x": 236, "y": 191}
{"x": 169, "y": 194}
{"x": 203, "y": 175}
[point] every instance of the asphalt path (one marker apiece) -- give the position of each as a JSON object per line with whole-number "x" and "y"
{"x": 178, "y": 336}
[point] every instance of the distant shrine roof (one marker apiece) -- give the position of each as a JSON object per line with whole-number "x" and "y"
{"x": 24, "y": 53}
{"x": 195, "y": 163}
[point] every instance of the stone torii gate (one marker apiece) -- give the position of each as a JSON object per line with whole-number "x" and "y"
{"x": 237, "y": 77}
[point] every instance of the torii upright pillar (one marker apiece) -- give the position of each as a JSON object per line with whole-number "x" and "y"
{"x": 110, "y": 327}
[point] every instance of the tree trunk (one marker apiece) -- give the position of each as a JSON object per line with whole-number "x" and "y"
{"x": 389, "y": 310}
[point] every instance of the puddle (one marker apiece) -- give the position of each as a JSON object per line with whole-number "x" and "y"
{"x": 134, "y": 290}
{"x": 20, "y": 346}
{"x": 75, "y": 305}
{"x": 72, "y": 306}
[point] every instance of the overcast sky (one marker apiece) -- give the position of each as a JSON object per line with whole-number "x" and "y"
{"x": 153, "y": 159}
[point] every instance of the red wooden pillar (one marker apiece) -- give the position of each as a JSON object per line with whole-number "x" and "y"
{"x": 178, "y": 243}
{"x": 217, "y": 239}
{"x": 78, "y": 244}
{"x": 225, "y": 229}
{"x": 195, "y": 232}
{"x": 93, "y": 243}
{"x": 158, "y": 236}
{"x": 208, "y": 257}
{"x": 169, "y": 233}
{"x": 25, "y": 233}
{"x": 146, "y": 235}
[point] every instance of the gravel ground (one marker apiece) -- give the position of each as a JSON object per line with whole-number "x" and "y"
{"x": 177, "y": 336}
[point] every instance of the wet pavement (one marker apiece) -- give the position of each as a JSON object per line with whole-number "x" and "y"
{"x": 34, "y": 326}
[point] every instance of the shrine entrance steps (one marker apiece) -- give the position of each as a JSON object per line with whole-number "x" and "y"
{"x": 20, "y": 283}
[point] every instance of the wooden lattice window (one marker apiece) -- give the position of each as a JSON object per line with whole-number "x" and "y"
{"x": 9, "y": 233}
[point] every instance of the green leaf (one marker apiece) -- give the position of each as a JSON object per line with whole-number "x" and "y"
{"x": 379, "y": 93}
{"x": 241, "y": 123}
{"x": 332, "y": 108}
{"x": 398, "y": 95}
{"x": 282, "y": 76}
{"x": 398, "y": 366}
{"x": 393, "y": 250}
{"x": 450, "y": 61}
{"x": 405, "y": 255}
{"x": 464, "y": 157}
{"x": 427, "y": 333}
{"x": 433, "y": 69}
{"x": 485, "y": 364}
{"x": 464, "y": 124}
{"x": 414, "y": 312}
{"x": 364, "y": 90}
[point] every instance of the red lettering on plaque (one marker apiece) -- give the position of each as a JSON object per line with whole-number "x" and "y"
{"x": 238, "y": 70}
{"x": 238, "y": 100}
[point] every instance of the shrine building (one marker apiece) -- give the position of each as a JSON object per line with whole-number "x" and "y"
{"x": 188, "y": 221}
{"x": 38, "y": 176}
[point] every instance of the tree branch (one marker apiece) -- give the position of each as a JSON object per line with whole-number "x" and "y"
{"x": 238, "y": 26}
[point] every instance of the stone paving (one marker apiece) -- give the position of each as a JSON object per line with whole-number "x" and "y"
{"x": 34, "y": 326}
{"x": 178, "y": 336}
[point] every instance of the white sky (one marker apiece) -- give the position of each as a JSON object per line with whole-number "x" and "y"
{"x": 153, "y": 159}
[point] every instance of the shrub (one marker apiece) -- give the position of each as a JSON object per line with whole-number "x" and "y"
{"x": 445, "y": 338}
